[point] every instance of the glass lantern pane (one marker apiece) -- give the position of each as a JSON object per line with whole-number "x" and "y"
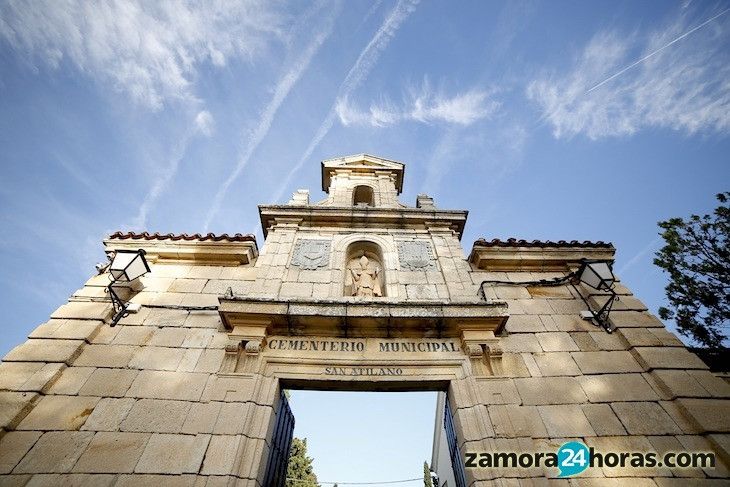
{"x": 136, "y": 268}
{"x": 589, "y": 277}
{"x": 604, "y": 272}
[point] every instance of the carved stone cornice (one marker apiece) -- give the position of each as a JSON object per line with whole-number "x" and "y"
{"x": 349, "y": 216}
{"x": 359, "y": 318}
{"x": 535, "y": 258}
{"x": 201, "y": 252}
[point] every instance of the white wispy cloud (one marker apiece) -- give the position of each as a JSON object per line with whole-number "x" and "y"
{"x": 357, "y": 73}
{"x": 678, "y": 80}
{"x": 283, "y": 87}
{"x": 205, "y": 123}
{"x": 150, "y": 51}
{"x": 423, "y": 105}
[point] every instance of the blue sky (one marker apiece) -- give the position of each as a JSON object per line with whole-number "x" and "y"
{"x": 546, "y": 120}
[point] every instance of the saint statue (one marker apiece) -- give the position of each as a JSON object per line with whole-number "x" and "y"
{"x": 365, "y": 280}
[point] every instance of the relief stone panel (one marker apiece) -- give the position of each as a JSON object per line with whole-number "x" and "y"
{"x": 415, "y": 255}
{"x": 311, "y": 254}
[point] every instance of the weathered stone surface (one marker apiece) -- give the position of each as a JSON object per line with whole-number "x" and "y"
{"x": 173, "y": 454}
{"x": 13, "y": 446}
{"x": 14, "y": 406}
{"x": 605, "y": 444}
{"x": 184, "y": 386}
{"x": 713, "y": 384}
{"x": 615, "y": 362}
{"x": 617, "y": 387}
{"x": 185, "y": 480}
{"x": 201, "y": 418}
{"x": 634, "y": 319}
{"x": 83, "y": 311}
{"x": 550, "y": 390}
{"x": 156, "y": 416}
{"x": 644, "y": 418}
{"x": 511, "y": 421}
{"x": 71, "y": 380}
{"x": 112, "y": 453}
{"x": 565, "y": 420}
{"x": 68, "y": 329}
{"x": 667, "y": 358}
{"x": 108, "y": 383}
{"x": 710, "y": 415}
{"x": 105, "y": 356}
{"x": 55, "y": 452}
{"x": 133, "y": 335}
{"x": 603, "y": 420}
{"x": 678, "y": 383}
{"x": 71, "y": 480}
{"x": 168, "y": 337}
{"x": 558, "y": 341}
{"x": 108, "y": 414}
{"x": 524, "y": 324}
{"x": 556, "y": 363}
{"x": 41, "y": 350}
{"x": 221, "y": 455}
{"x": 14, "y": 374}
{"x": 156, "y": 358}
{"x": 59, "y": 413}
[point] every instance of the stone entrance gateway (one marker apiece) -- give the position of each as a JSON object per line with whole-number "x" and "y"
{"x": 355, "y": 292}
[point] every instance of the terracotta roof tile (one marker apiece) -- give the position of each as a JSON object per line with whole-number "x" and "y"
{"x": 238, "y": 237}
{"x": 513, "y": 242}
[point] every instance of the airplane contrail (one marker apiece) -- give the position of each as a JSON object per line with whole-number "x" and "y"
{"x": 364, "y": 63}
{"x": 283, "y": 87}
{"x": 658, "y": 50}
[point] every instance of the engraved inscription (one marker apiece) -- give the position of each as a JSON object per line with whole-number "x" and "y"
{"x": 311, "y": 254}
{"x": 415, "y": 255}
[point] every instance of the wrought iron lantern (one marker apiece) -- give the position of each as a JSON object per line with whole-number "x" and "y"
{"x": 599, "y": 275}
{"x": 126, "y": 266}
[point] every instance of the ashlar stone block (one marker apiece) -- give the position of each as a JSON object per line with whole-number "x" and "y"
{"x": 565, "y": 420}
{"x": 55, "y": 452}
{"x": 71, "y": 380}
{"x": 173, "y": 454}
{"x": 13, "y": 446}
{"x": 559, "y": 341}
{"x": 43, "y": 350}
{"x": 603, "y": 420}
{"x": 550, "y": 390}
{"x": 603, "y": 362}
{"x": 112, "y": 453}
{"x": 59, "y": 413}
{"x": 14, "y": 406}
{"x": 645, "y": 418}
{"x": 154, "y": 384}
{"x": 156, "y": 416}
{"x": 108, "y": 414}
{"x": 105, "y": 356}
{"x": 668, "y": 358}
{"x": 617, "y": 387}
{"x": 108, "y": 382}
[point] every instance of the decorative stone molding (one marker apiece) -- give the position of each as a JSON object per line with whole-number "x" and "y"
{"x": 482, "y": 345}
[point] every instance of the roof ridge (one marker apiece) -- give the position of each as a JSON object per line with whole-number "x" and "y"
{"x": 514, "y": 242}
{"x": 238, "y": 237}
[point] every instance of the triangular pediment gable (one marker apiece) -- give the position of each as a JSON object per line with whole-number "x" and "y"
{"x": 362, "y": 162}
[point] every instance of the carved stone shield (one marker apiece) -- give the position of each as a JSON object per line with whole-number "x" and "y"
{"x": 415, "y": 255}
{"x": 311, "y": 254}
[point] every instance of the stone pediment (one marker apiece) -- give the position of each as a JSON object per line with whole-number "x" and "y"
{"x": 362, "y": 163}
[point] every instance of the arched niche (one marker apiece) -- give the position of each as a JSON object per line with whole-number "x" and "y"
{"x": 363, "y": 195}
{"x": 364, "y": 277}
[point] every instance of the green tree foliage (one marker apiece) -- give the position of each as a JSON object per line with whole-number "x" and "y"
{"x": 300, "y": 466}
{"x": 697, "y": 259}
{"x": 427, "y": 475}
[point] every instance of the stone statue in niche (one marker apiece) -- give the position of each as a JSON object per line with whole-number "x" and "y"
{"x": 365, "y": 280}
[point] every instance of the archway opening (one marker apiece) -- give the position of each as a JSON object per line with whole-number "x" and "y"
{"x": 363, "y": 196}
